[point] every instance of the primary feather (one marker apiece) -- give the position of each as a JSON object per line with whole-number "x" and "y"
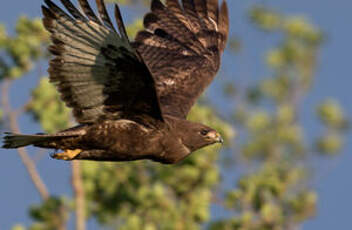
{"x": 92, "y": 63}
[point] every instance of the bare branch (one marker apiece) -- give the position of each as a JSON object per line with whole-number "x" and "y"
{"x": 14, "y": 127}
{"x": 78, "y": 189}
{"x": 61, "y": 219}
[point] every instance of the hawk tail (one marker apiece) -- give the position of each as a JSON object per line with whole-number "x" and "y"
{"x": 13, "y": 140}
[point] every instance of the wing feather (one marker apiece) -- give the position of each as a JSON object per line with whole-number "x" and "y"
{"x": 155, "y": 40}
{"x": 201, "y": 9}
{"x": 162, "y": 19}
{"x": 88, "y": 11}
{"x": 73, "y": 10}
{"x": 97, "y": 71}
{"x": 213, "y": 10}
{"x": 176, "y": 9}
{"x": 182, "y": 45}
{"x": 104, "y": 15}
{"x": 223, "y": 25}
{"x": 120, "y": 23}
{"x": 56, "y": 11}
{"x": 191, "y": 14}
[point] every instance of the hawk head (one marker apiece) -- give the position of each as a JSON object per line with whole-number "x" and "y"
{"x": 195, "y": 135}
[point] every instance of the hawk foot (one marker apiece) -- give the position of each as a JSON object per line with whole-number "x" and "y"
{"x": 67, "y": 155}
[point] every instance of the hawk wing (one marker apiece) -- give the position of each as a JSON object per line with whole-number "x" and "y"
{"x": 182, "y": 45}
{"x": 96, "y": 70}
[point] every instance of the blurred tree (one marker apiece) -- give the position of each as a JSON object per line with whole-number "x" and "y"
{"x": 146, "y": 195}
{"x": 274, "y": 193}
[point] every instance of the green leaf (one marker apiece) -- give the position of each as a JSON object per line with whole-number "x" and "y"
{"x": 47, "y": 107}
{"x": 330, "y": 144}
{"x": 331, "y": 114}
{"x": 18, "y": 227}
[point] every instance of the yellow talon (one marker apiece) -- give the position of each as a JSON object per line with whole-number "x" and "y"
{"x": 67, "y": 155}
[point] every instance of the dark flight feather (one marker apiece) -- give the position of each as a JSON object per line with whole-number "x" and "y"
{"x": 104, "y": 14}
{"x": 73, "y": 10}
{"x": 201, "y": 9}
{"x": 120, "y": 23}
{"x": 213, "y": 10}
{"x": 223, "y": 25}
{"x": 88, "y": 11}
{"x": 191, "y": 14}
{"x": 90, "y": 67}
{"x": 176, "y": 9}
{"x": 58, "y": 11}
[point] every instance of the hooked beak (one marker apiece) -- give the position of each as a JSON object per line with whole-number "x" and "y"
{"x": 219, "y": 139}
{"x": 216, "y": 137}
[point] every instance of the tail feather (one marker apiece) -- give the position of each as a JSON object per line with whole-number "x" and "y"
{"x": 13, "y": 140}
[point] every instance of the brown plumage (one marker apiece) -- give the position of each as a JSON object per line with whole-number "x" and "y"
{"x": 132, "y": 98}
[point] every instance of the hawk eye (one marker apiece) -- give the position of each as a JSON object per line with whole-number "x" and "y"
{"x": 204, "y": 132}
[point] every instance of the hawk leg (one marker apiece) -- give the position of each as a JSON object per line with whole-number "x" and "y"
{"x": 67, "y": 155}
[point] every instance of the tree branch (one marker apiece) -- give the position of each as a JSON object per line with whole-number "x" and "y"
{"x": 79, "y": 195}
{"x": 14, "y": 127}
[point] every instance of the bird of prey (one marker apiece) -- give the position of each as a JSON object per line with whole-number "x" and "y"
{"x": 131, "y": 98}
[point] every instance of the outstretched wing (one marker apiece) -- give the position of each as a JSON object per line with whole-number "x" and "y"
{"x": 182, "y": 45}
{"x": 95, "y": 68}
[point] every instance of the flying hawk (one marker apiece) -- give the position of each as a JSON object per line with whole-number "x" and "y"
{"x": 131, "y": 99}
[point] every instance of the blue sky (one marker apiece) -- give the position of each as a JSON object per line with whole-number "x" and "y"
{"x": 332, "y": 79}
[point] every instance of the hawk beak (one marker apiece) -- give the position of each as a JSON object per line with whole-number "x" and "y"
{"x": 215, "y": 137}
{"x": 219, "y": 139}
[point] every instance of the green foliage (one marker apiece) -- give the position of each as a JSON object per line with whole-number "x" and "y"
{"x": 273, "y": 194}
{"x": 333, "y": 118}
{"x": 265, "y": 18}
{"x": 298, "y": 27}
{"x": 292, "y": 26}
{"x": 49, "y": 215}
{"x": 23, "y": 49}
{"x": 331, "y": 115}
{"x": 134, "y": 28}
{"x": 18, "y": 227}
{"x": 47, "y": 108}
{"x": 329, "y": 144}
{"x": 267, "y": 194}
{"x": 3, "y": 36}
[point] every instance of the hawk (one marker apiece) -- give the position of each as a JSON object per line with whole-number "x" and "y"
{"x": 131, "y": 98}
